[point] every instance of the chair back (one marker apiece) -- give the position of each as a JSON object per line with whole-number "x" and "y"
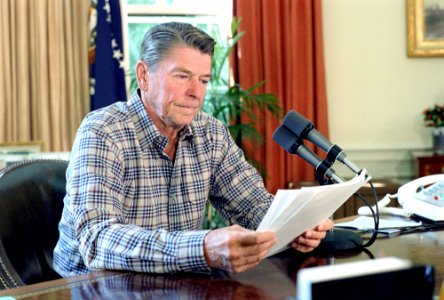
{"x": 31, "y": 203}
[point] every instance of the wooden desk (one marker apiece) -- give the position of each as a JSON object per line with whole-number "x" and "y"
{"x": 274, "y": 278}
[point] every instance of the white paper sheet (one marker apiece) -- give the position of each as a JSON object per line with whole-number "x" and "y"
{"x": 364, "y": 223}
{"x": 301, "y": 210}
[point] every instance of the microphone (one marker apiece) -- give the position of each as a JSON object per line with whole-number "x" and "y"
{"x": 305, "y": 129}
{"x": 335, "y": 240}
{"x": 294, "y": 145}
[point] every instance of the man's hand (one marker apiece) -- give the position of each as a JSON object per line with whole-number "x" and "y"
{"x": 236, "y": 249}
{"x": 310, "y": 239}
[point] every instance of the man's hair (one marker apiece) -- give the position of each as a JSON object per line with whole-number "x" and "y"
{"x": 161, "y": 39}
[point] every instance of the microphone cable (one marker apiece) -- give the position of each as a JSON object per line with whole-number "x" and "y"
{"x": 375, "y": 215}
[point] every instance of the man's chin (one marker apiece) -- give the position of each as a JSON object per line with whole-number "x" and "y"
{"x": 188, "y": 117}
{"x": 185, "y": 120}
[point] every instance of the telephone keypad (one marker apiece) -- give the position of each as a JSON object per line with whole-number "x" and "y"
{"x": 433, "y": 194}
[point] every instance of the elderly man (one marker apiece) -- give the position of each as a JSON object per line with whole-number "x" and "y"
{"x": 141, "y": 173}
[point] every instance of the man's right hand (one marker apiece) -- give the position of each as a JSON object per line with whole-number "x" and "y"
{"x": 236, "y": 249}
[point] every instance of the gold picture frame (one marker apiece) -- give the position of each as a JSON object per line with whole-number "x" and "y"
{"x": 425, "y": 28}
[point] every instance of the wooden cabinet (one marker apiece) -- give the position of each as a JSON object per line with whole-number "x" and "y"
{"x": 429, "y": 163}
{"x": 351, "y": 206}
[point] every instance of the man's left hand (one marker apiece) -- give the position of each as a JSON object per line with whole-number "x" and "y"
{"x": 310, "y": 239}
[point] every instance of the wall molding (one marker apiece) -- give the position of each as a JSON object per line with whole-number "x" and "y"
{"x": 397, "y": 165}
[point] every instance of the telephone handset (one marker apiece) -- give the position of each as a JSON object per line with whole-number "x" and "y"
{"x": 424, "y": 197}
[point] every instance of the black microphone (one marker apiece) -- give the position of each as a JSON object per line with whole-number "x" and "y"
{"x": 335, "y": 240}
{"x": 294, "y": 145}
{"x": 305, "y": 129}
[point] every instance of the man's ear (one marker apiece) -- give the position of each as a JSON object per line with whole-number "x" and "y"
{"x": 142, "y": 74}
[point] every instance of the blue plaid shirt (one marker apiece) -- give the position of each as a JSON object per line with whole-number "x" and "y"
{"x": 130, "y": 207}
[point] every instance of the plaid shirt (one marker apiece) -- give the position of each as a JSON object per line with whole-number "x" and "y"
{"x": 130, "y": 207}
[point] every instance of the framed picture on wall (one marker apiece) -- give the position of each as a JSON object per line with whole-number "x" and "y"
{"x": 425, "y": 28}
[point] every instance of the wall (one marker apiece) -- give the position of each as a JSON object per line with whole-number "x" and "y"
{"x": 376, "y": 94}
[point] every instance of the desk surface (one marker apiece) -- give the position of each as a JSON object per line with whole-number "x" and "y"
{"x": 274, "y": 278}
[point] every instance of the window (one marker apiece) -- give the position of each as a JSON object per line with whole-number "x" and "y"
{"x": 213, "y": 17}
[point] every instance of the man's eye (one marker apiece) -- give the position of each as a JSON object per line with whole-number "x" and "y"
{"x": 181, "y": 76}
{"x": 204, "y": 82}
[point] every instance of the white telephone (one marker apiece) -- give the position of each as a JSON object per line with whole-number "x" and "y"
{"x": 424, "y": 197}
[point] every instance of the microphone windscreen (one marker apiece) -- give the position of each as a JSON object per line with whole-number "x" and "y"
{"x": 285, "y": 138}
{"x": 297, "y": 123}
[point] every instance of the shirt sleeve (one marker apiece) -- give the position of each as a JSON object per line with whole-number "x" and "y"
{"x": 96, "y": 188}
{"x": 238, "y": 192}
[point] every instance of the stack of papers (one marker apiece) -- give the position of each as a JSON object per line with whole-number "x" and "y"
{"x": 364, "y": 223}
{"x": 389, "y": 227}
{"x": 295, "y": 211}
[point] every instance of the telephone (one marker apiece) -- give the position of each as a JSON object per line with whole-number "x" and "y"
{"x": 424, "y": 197}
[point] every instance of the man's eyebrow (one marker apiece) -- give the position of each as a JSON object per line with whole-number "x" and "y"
{"x": 184, "y": 70}
{"x": 179, "y": 69}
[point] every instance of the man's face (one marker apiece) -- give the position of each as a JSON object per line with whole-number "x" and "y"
{"x": 176, "y": 89}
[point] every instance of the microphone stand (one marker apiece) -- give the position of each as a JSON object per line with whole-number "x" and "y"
{"x": 336, "y": 240}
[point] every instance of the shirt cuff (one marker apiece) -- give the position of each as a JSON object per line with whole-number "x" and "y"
{"x": 191, "y": 251}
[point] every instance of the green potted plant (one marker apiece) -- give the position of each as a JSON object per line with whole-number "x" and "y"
{"x": 434, "y": 117}
{"x": 227, "y": 101}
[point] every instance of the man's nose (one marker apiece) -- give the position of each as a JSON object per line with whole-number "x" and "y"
{"x": 195, "y": 88}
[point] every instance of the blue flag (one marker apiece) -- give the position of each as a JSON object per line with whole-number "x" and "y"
{"x": 107, "y": 76}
